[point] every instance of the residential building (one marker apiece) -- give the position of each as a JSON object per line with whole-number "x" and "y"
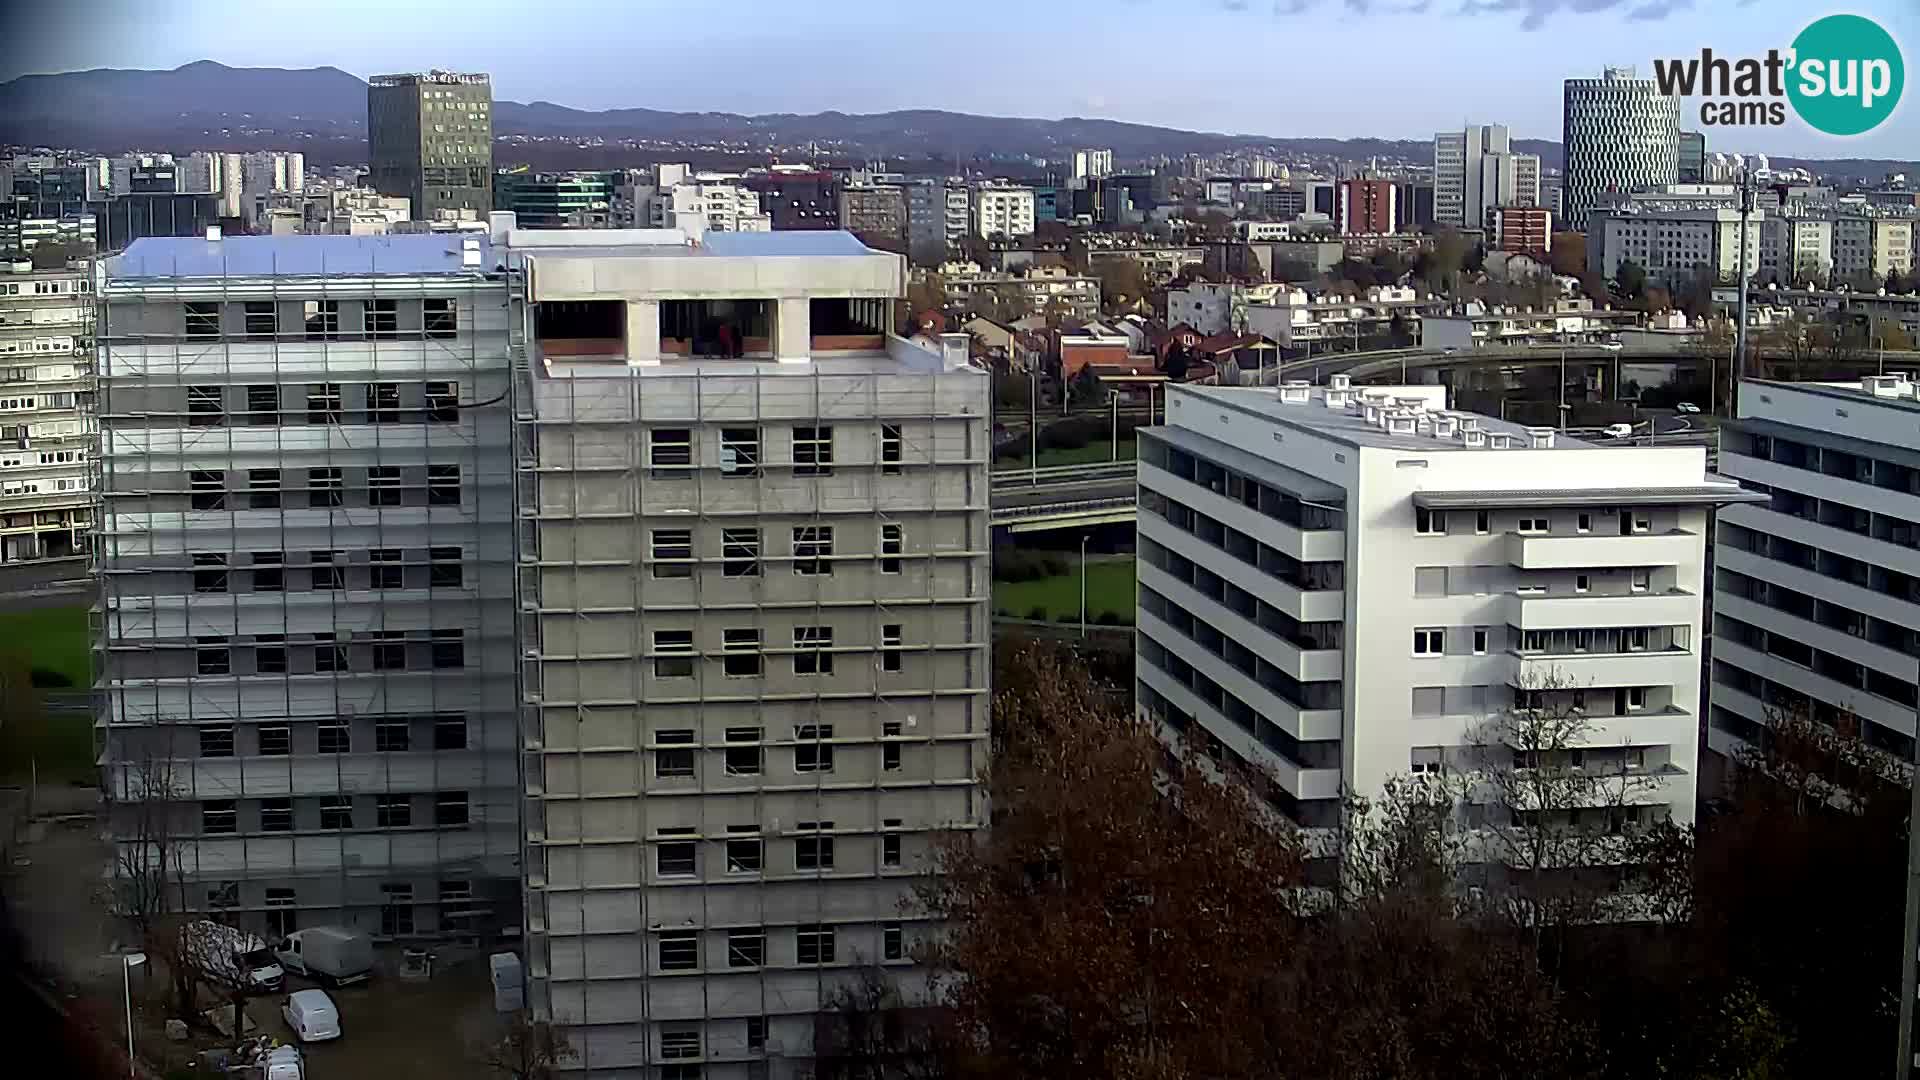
{"x": 1094, "y": 346}
{"x": 1002, "y": 210}
{"x": 305, "y": 659}
{"x": 123, "y": 219}
{"x": 1340, "y": 586}
{"x": 1279, "y": 203}
{"x": 1158, "y": 261}
{"x": 1415, "y": 203}
{"x": 1367, "y": 207}
{"x": 1035, "y": 291}
{"x": 708, "y": 201}
{"x": 927, "y": 235}
{"x": 56, "y": 193}
{"x": 1262, "y": 259}
{"x": 1092, "y": 164}
{"x": 1671, "y": 243}
{"x": 1693, "y": 157}
{"x": 562, "y": 200}
{"x": 798, "y": 197}
{"x": 1210, "y": 308}
{"x": 430, "y": 138}
{"x": 1620, "y": 133}
{"x": 1527, "y": 230}
{"x": 1565, "y": 321}
{"x": 1796, "y": 248}
{"x": 1477, "y": 170}
{"x": 755, "y": 592}
{"x": 876, "y": 213}
{"x": 47, "y": 441}
{"x": 1817, "y": 585}
{"x": 1293, "y": 318}
{"x": 1871, "y": 245}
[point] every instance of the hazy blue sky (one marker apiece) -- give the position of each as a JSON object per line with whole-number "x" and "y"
{"x": 1341, "y": 68}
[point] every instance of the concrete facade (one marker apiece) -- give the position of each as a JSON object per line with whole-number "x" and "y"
{"x": 1620, "y": 134}
{"x": 430, "y": 138}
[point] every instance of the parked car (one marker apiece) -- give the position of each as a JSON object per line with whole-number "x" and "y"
{"x": 311, "y": 1015}
{"x": 1619, "y": 431}
{"x": 331, "y": 954}
{"x": 1687, "y": 407}
{"x": 230, "y": 955}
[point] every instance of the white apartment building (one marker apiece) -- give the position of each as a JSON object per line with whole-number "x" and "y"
{"x": 708, "y": 201}
{"x": 1872, "y": 245}
{"x": 1795, "y": 248}
{"x": 755, "y": 636}
{"x": 1476, "y": 170}
{"x": 1670, "y": 241}
{"x": 46, "y": 411}
{"x": 1816, "y": 595}
{"x": 304, "y": 642}
{"x": 1620, "y": 134}
{"x": 1343, "y": 585}
{"x": 1002, "y": 210}
{"x": 1089, "y": 164}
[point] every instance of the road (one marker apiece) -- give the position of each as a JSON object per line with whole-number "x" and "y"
{"x": 51, "y": 583}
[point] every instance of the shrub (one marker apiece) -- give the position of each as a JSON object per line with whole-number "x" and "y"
{"x": 1109, "y": 618}
{"x": 48, "y": 679}
{"x": 1037, "y": 613}
{"x": 1020, "y": 564}
{"x": 1002, "y": 613}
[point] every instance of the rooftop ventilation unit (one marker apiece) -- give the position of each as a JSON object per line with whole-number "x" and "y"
{"x": 1412, "y": 404}
{"x": 1401, "y": 423}
{"x": 1444, "y": 426}
{"x": 1295, "y": 392}
{"x": 1373, "y": 412}
{"x": 1499, "y": 440}
{"x": 1540, "y": 438}
{"x": 1336, "y": 399}
{"x": 1474, "y": 437}
{"x": 1340, "y": 382}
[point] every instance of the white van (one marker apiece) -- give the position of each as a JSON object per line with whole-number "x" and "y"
{"x": 311, "y": 1016}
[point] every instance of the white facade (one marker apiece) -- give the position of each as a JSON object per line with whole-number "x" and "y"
{"x": 1476, "y": 171}
{"x": 1206, "y": 306}
{"x": 1620, "y": 134}
{"x": 1817, "y": 589}
{"x": 708, "y": 201}
{"x": 1796, "y": 249}
{"x": 47, "y": 442}
{"x": 1671, "y": 243}
{"x": 1090, "y": 164}
{"x": 1000, "y": 210}
{"x": 1872, "y": 245}
{"x": 1345, "y": 589}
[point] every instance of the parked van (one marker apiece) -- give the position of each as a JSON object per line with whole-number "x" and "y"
{"x": 332, "y": 954}
{"x": 311, "y": 1015}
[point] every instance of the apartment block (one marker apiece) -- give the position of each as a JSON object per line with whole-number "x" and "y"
{"x": 1795, "y": 249}
{"x": 46, "y": 411}
{"x": 1872, "y": 245}
{"x": 1346, "y": 584}
{"x": 430, "y": 139}
{"x": 753, "y": 584}
{"x": 1002, "y": 210}
{"x": 1672, "y": 242}
{"x": 1620, "y": 133}
{"x": 304, "y": 654}
{"x": 1476, "y": 170}
{"x": 1817, "y": 584}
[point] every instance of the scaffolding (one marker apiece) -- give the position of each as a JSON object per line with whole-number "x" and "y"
{"x": 304, "y": 661}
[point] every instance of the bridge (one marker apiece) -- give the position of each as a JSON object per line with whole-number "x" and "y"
{"x": 1062, "y": 497}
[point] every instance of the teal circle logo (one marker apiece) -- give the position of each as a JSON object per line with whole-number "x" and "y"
{"x": 1847, "y": 75}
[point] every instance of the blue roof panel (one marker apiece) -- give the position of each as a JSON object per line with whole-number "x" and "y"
{"x": 256, "y": 256}
{"x": 800, "y": 243}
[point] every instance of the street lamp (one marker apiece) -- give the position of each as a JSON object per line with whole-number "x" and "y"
{"x": 1114, "y": 395}
{"x": 128, "y": 962}
{"x": 1083, "y": 585}
{"x": 1033, "y": 422}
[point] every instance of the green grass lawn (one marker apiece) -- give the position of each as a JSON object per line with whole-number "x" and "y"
{"x": 60, "y": 743}
{"x": 1091, "y": 453}
{"x": 55, "y": 638}
{"x": 1109, "y": 588}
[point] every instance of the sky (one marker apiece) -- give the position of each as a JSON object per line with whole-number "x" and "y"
{"x": 1287, "y": 68}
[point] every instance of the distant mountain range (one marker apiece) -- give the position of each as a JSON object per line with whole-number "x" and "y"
{"x": 206, "y": 105}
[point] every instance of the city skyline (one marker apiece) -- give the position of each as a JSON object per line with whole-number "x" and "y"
{"x": 1512, "y": 56}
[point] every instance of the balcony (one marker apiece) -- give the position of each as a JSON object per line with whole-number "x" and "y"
{"x": 1675, "y": 548}
{"x": 1589, "y": 612}
{"x": 1652, "y": 667}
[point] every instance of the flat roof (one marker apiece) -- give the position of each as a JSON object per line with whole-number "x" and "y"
{"x": 672, "y": 244}
{"x": 1690, "y": 494}
{"x": 279, "y": 256}
{"x": 1352, "y": 428}
{"x": 1840, "y": 391}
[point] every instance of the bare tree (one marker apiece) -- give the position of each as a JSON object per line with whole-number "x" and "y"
{"x": 868, "y": 1031}
{"x": 148, "y": 880}
{"x": 526, "y": 1049}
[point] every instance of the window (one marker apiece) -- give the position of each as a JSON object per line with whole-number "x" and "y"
{"x": 206, "y": 406}
{"x": 336, "y": 811}
{"x": 329, "y": 569}
{"x": 322, "y": 318}
{"x": 672, "y": 654}
{"x": 679, "y": 1041}
{"x": 1637, "y": 639}
{"x": 756, "y": 1033}
{"x": 323, "y": 403}
{"x": 812, "y": 752}
{"x": 813, "y": 852}
{"x": 1583, "y": 523}
{"x": 670, "y": 453}
{"x": 209, "y": 572}
{"x": 740, "y": 651}
{"x": 1429, "y": 522}
{"x": 890, "y": 648}
{"x": 892, "y": 942}
{"x": 746, "y": 948}
{"x": 891, "y": 449}
{"x": 393, "y": 811}
{"x": 390, "y": 734}
{"x": 219, "y": 816}
{"x": 216, "y": 741}
{"x": 334, "y": 737}
{"x": 212, "y": 656}
{"x": 449, "y": 648}
{"x": 813, "y": 944}
{"x": 890, "y": 845}
{"x": 203, "y": 320}
{"x": 813, "y": 451}
{"x": 1641, "y": 523}
{"x": 813, "y": 650}
{"x": 443, "y": 485}
{"x": 263, "y": 489}
{"x": 443, "y": 569}
{"x": 276, "y": 815}
{"x": 672, "y": 553}
{"x": 276, "y": 740}
{"x": 1429, "y": 642}
{"x": 326, "y": 487}
{"x": 739, "y": 451}
{"x": 892, "y": 543}
{"x": 388, "y": 569}
{"x": 679, "y": 950}
{"x": 443, "y": 401}
{"x": 383, "y": 403}
{"x": 449, "y": 732}
{"x": 1582, "y": 582}
{"x": 263, "y": 405}
{"x": 675, "y": 858}
{"x": 743, "y": 855}
{"x": 209, "y": 489}
{"x": 390, "y": 650}
{"x": 1532, "y": 525}
{"x": 381, "y": 318}
{"x": 1483, "y": 522}
{"x": 440, "y": 317}
{"x": 396, "y": 910}
{"x": 673, "y": 753}
{"x": 1640, "y": 580}
{"x": 259, "y": 318}
{"x": 813, "y": 550}
{"x": 889, "y": 751}
{"x": 740, "y": 552}
{"x": 1479, "y": 641}
{"x": 450, "y": 808}
{"x": 329, "y": 656}
{"x": 1636, "y": 698}
{"x": 383, "y": 485}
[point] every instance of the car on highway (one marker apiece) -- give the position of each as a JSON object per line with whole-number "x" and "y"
{"x": 1687, "y": 407}
{"x": 1611, "y": 346}
{"x": 1618, "y": 431}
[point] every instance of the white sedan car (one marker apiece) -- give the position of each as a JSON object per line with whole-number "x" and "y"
{"x": 1687, "y": 407}
{"x": 1619, "y": 431}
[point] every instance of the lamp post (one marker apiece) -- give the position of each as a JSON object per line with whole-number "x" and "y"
{"x": 1033, "y": 423}
{"x": 1114, "y": 395}
{"x": 128, "y": 962}
{"x": 1083, "y": 585}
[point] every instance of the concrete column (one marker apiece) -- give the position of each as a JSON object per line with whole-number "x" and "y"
{"x": 792, "y": 330}
{"x": 643, "y": 332}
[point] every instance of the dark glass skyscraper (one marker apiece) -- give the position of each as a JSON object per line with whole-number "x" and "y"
{"x": 430, "y": 138}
